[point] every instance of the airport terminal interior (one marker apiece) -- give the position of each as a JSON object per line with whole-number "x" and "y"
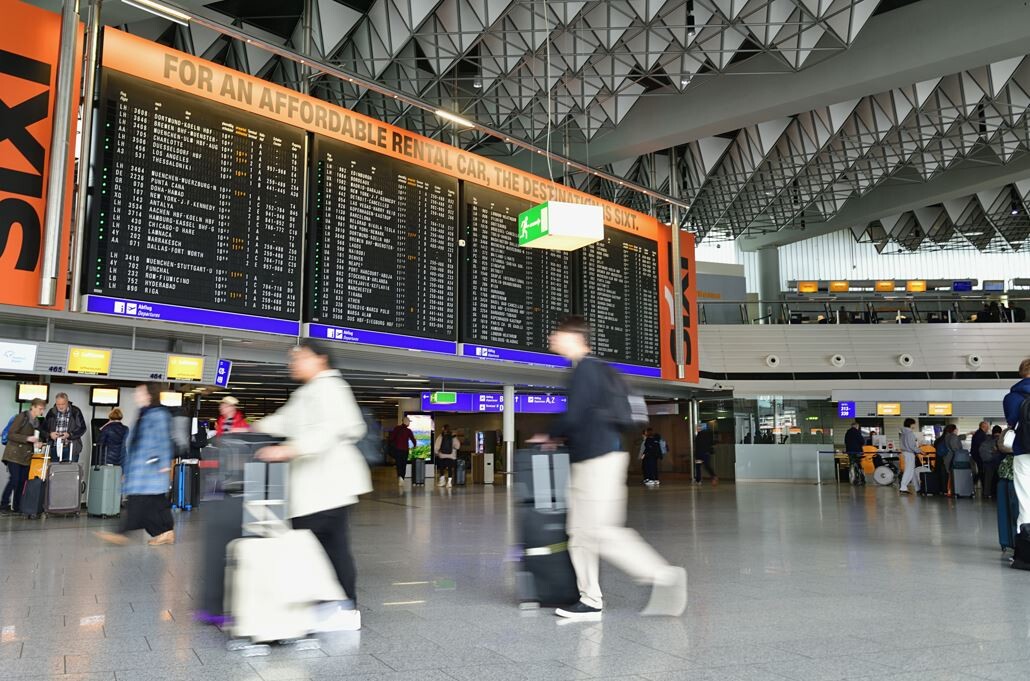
{"x": 514, "y": 340}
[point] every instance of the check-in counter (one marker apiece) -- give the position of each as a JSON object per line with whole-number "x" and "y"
{"x": 787, "y": 463}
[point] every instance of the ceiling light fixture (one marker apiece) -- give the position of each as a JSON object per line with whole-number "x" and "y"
{"x": 406, "y": 380}
{"x": 477, "y": 83}
{"x": 454, "y": 118}
{"x": 161, "y": 10}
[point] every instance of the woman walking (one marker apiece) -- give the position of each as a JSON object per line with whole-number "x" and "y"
{"x": 148, "y": 458}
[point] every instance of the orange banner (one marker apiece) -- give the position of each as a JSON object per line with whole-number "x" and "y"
{"x": 180, "y": 71}
{"x": 30, "y": 38}
{"x": 687, "y": 307}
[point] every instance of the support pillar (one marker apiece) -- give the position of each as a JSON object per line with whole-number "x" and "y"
{"x": 508, "y": 428}
{"x": 768, "y": 283}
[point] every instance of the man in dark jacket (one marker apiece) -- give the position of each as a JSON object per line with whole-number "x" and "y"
{"x": 1021, "y": 454}
{"x": 66, "y": 428}
{"x": 704, "y": 446}
{"x": 854, "y": 442}
{"x": 597, "y": 485}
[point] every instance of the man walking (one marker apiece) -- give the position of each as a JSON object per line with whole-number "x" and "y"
{"x": 982, "y": 434}
{"x": 652, "y": 449}
{"x": 704, "y": 444}
{"x": 597, "y": 485}
{"x": 854, "y": 442}
{"x": 400, "y": 442}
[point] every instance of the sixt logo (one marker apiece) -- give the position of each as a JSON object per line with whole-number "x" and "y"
{"x": 16, "y": 120}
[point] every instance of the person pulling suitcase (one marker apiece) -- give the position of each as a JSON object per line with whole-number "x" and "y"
{"x": 592, "y": 426}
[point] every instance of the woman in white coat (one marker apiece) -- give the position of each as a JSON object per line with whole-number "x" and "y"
{"x": 322, "y": 424}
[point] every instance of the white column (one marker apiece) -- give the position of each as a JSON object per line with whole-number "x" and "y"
{"x": 769, "y": 282}
{"x": 508, "y": 427}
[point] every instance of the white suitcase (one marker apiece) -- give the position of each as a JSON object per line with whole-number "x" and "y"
{"x": 273, "y": 583}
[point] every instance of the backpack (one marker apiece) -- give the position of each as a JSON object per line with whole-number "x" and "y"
{"x": 446, "y": 443}
{"x": 623, "y": 409}
{"x": 989, "y": 450}
{"x": 7, "y": 429}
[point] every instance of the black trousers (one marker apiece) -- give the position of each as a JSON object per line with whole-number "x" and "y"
{"x": 989, "y": 478}
{"x": 651, "y": 466}
{"x": 858, "y": 475}
{"x": 332, "y": 529}
{"x": 19, "y": 475}
{"x": 703, "y": 459}
{"x": 400, "y": 459}
{"x": 150, "y": 512}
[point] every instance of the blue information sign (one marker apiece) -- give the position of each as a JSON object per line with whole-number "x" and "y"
{"x": 493, "y": 403}
{"x": 386, "y": 340}
{"x": 546, "y": 359}
{"x": 222, "y": 373}
{"x": 846, "y": 410}
{"x": 123, "y": 307}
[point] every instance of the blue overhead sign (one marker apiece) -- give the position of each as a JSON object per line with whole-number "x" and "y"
{"x": 222, "y": 373}
{"x": 846, "y": 410}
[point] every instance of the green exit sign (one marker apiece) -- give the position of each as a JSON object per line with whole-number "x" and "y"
{"x": 560, "y": 226}
{"x": 443, "y": 398}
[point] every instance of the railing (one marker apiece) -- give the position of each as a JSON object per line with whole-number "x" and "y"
{"x": 883, "y": 309}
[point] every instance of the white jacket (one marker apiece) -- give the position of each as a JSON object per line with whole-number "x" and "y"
{"x": 321, "y": 421}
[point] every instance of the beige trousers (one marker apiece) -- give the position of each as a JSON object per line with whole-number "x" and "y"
{"x": 597, "y": 527}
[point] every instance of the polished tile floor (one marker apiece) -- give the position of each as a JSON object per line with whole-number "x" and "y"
{"x": 786, "y": 582}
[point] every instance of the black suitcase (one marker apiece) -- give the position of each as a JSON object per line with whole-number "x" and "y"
{"x": 930, "y": 484}
{"x": 546, "y": 576}
{"x": 1021, "y": 558}
{"x": 460, "y": 472}
{"x": 32, "y": 498}
{"x": 186, "y": 486}
{"x": 418, "y": 472}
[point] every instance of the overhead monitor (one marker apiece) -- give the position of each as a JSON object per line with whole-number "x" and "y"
{"x": 170, "y": 399}
{"x": 884, "y": 286}
{"x": 30, "y": 391}
{"x": 939, "y": 409}
{"x": 89, "y": 361}
{"x": 104, "y": 397}
{"x": 915, "y": 286}
{"x": 962, "y": 286}
{"x": 994, "y": 285}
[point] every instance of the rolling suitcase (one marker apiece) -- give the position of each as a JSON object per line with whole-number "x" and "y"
{"x": 63, "y": 488}
{"x": 962, "y": 480}
{"x": 33, "y": 495}
{"x": 104, "y": 497}
{"x": 185, "y": 485}
{"x": 930, "y": 484}
{"x": 1021, "y": 548}
{"x": 418, "y": 472}
{"x": 1008, "y": 512}
{"x": 460, "y": 472}
{"x": 546, "y": 575}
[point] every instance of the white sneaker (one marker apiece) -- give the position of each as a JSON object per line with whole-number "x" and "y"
{"x": 449, "y": 482}
{"x": 440, "y": 482}
{"x": 656, "y": 483}
{"x": 400, "y": 481}
{"x": 669, "y": 594}
{"x": 341, "y": 620}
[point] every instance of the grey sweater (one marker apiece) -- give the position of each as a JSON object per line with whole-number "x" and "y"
{"x": 909, "y": 441}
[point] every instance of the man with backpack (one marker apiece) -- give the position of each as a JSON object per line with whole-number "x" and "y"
{"x": 599, "y": 410}
{"x": 1017, "y": 415}
{"x": 446, "y": 456}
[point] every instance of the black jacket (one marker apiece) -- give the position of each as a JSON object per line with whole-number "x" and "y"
{"x": 704, "y": 442}
{"x": 584, "y": 424}
{"x": 76, "y": 426}
{"x": 854, "y": 441}
{"x": 978, "y": 439}
{"x": 112, "y": 442}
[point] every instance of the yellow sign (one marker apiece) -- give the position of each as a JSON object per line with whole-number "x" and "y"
{"x": 839, "y": 286}
{"x": 808, "y": 287}
{"x": 888, "y": 408}
{"x": 916, "y": 286}
{"x": 938, "y": 409}
{"x": 181, "y": 368}
{"x": 89, "y": 361}
{"x": 884, "y": 286}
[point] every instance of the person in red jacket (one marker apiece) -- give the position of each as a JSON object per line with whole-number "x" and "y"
{"x": 230, "y": 417}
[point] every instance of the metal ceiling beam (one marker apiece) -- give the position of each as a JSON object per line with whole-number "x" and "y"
{"x": 953, "y": 36}
{"x": 892, "y": 199}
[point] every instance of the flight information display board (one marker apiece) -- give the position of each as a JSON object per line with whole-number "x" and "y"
{"x": 514, "y": 296}
{"x": 197, "y": 206}
{"x": 383, "y": 251}
{"x": 619, "y": 285}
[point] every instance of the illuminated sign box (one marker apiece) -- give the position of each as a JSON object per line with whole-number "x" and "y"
{"x": 443, "y": 398}
{"x": 888, "y": 408}
{"x": 846, "y": 410}
{"x": 840, "y": 286}
{"x": 916, "y": 286}
{"x": 181, "y": 368}
{"x": 89, "y": 361}
{"x": 808, "y": 287}
{"x": 103, "y": 397}
{"x": 884, "y": 286}
{"x": 939, "y": 409}
{"x": 561, "y": 226}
